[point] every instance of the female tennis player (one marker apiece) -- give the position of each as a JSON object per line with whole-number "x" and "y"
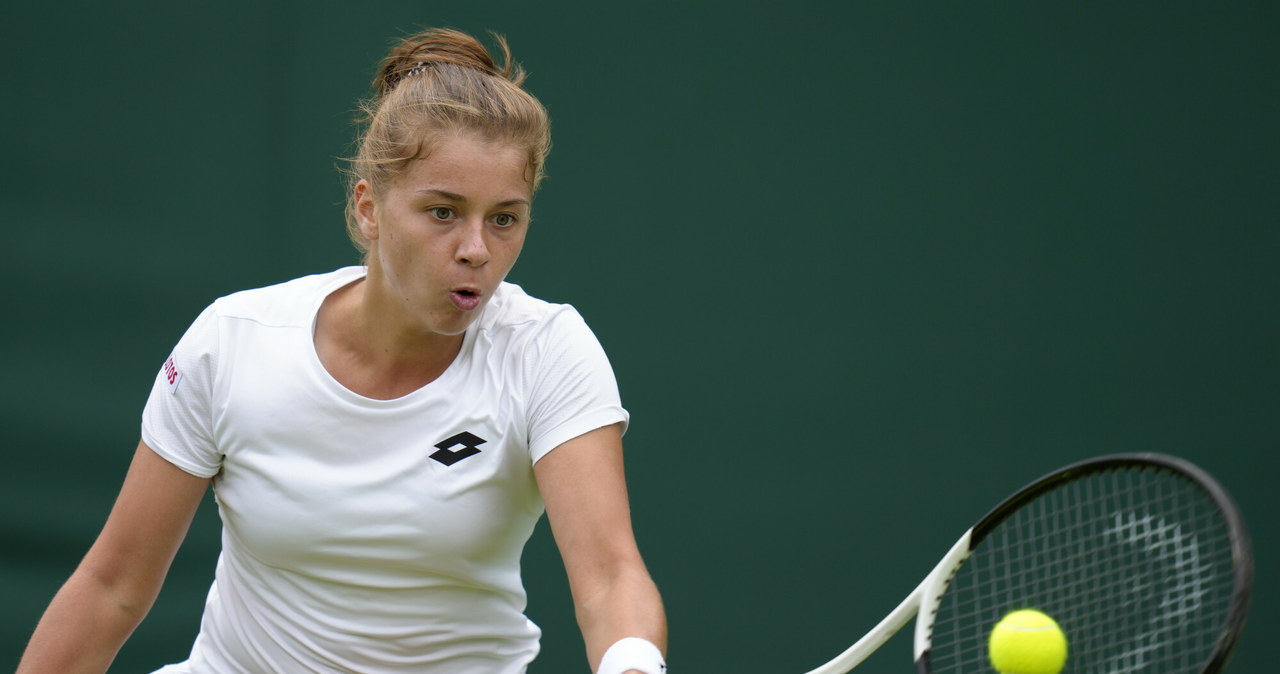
{"x": 381, "y": 439}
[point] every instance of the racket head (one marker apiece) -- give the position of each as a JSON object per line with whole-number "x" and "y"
{"x": 1142, "y": 559}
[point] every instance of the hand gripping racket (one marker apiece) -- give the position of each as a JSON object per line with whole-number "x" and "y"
{"x": 1142, "y": 559}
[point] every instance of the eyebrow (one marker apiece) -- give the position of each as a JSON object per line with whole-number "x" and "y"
{"x": 461, "y": 199}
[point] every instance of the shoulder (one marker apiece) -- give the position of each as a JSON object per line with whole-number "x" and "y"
{"x": 512, "y": 311}
{"x": 515, "y": 323}
{"x": 290, "y": 303}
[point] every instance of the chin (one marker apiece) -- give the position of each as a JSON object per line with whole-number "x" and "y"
{"x": 453, "y": 326}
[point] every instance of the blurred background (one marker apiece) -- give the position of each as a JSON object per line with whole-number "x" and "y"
{"x": 862, "y": 268}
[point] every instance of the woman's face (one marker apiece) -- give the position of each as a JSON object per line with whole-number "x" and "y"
{"x": 447, "y": 231}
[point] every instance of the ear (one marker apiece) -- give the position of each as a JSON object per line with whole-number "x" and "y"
{"x": 366, "y": 210}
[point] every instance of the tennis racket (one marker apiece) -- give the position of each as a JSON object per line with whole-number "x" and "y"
{"x": 1142, "y": 559}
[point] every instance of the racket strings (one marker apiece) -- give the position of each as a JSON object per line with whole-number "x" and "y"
{"x": 1135, "y": 565}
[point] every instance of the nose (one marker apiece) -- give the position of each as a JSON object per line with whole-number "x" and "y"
{"x": 472, "y": 250}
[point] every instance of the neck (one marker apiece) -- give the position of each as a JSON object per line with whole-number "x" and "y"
{"x": 370, "y": 353}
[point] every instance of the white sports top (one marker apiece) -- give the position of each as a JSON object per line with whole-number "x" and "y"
{"x": 364, "y": 535}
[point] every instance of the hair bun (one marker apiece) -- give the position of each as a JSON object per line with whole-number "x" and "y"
{"x": 442, "y": 46}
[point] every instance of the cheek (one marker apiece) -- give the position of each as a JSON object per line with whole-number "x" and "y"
{"x": 396, "y": 258}
{"x": 515, "y": 246}
{"x": 506, "y": 258}
{"x": 416, "y": 254}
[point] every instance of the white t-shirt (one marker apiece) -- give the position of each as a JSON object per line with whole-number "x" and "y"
{"x": 364, "y": 535}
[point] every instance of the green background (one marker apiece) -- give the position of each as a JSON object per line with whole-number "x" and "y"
{"x": 862, "y": 269}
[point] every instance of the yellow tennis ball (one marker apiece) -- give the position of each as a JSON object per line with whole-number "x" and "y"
{"x": 1027, "y": 642}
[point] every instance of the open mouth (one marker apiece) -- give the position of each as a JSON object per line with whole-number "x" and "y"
{"x": 465, "y": 299}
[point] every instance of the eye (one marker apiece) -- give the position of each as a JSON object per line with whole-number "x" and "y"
{"x": 504, "y": 219}
{"x": 441, "y": 212}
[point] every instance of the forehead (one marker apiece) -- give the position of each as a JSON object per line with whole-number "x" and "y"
{"x": 464, "y": 163}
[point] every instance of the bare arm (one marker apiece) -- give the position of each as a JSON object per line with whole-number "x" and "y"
{"x": 585, "y": 492}
{"x": 115, "y": 584}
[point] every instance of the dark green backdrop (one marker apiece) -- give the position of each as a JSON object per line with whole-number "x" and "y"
{"x": 862, "y": 269}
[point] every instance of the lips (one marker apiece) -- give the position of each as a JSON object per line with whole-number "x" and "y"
{"x": 465, "y": 299}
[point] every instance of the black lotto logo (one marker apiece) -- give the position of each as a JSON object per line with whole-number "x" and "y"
{"x": 446, "y": 454}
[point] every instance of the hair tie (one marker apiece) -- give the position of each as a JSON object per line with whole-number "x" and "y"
{"x": 417, "y": 69}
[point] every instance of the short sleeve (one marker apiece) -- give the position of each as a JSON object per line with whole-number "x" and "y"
{"x": 573, "y": 389}
{"x": 177, "y": 422}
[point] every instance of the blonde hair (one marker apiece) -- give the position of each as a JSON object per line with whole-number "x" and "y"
{"x": 433, "y": 83}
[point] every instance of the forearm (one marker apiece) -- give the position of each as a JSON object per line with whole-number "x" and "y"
{"x": 83, "y": 629}
{"x": 627, "y": 605}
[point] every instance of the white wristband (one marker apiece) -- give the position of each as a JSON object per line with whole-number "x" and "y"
{"x": 632, "y": 653}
